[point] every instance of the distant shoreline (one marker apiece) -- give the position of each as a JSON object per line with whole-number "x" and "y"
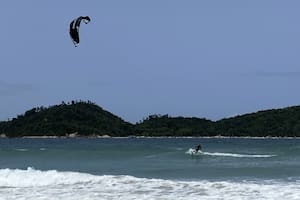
{"x": 149, "y": 137}
{"x": 86, "y": 119}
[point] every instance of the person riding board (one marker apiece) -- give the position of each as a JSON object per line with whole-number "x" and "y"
{"x": 198, "y": 148}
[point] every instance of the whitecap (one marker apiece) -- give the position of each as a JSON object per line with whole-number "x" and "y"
{"x": 21, "y": 149}
{"x": 193, "y": 152}
{"x": 35, "y": 184}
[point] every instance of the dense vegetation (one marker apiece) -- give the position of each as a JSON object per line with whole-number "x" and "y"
{"x": 83, "y": 118}
{"x": 88, "y": 119}
{"x": 276, "y": 122}
{"x": 158, "y": 125}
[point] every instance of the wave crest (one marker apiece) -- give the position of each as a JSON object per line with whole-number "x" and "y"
{"x": 192, "y": 152}
{"x": 52, "y": 184}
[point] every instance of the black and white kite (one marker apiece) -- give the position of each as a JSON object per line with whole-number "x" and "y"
{"x": 74, "y": 28}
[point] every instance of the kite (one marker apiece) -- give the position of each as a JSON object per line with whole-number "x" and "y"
{"x": 74, "y": 28}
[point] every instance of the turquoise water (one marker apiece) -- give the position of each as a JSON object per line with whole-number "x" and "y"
{"x": 228, "y": 165}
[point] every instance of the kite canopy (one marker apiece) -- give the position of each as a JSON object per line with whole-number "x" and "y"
{"x": 74, "y": 28}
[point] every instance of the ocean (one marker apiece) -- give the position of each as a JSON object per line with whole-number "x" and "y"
{"x": 149, "y": 168}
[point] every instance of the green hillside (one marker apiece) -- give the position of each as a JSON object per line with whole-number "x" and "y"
{"x": 275, "y": 122}
{"x": 158, "y": 125}
{"x": 88, "y": 119}
{"x": 83, "y": 118}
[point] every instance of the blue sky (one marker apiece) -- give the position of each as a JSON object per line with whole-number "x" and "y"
{"x": 209, "y": 59}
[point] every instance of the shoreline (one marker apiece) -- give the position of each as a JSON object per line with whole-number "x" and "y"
{"x": 148, "y": 137}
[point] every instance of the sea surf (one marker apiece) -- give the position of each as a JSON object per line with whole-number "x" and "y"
{"x": 148, "y": 168}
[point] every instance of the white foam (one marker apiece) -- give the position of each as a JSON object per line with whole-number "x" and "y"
{"x": 192, "y": 152}
{"x": 35, "y": 184}
{"x": 21, "y": 149}
{"x": 36, "y": 178}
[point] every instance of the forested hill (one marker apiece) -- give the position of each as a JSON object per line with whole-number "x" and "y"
{"x": 81, "y": 118}
{"x": 275, "y": 122}
{"x": 88, "y": 119}
{"x": 157, "y": 125}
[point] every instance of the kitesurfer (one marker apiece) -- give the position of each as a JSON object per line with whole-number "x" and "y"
{"x": 198, "y": 148}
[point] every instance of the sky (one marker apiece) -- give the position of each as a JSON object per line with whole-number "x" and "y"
{"x": 209, "y": 59}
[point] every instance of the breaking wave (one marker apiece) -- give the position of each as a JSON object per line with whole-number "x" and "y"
{"x": 36, "y": 184}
